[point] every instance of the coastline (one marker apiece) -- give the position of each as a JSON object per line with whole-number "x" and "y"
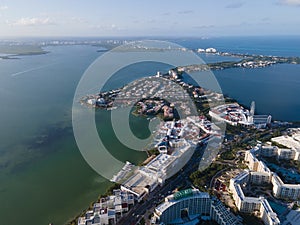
{"x": 15, "y": 51}
{"x": 15, "y": 56}
{"x": 74, "y": 60}
{"x": 110, "y": 107}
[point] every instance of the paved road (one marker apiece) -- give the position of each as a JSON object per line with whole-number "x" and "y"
{"x": 159, "y": 193}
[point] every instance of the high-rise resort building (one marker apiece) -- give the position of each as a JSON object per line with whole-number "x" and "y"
{"x": 260, "y": 174}
{"x": 258, "y": 205}
{"x": 280, "y": 189}
{"x": 192, "y": 206}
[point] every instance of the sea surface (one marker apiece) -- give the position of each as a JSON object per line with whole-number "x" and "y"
{"x": 43, "y": 177}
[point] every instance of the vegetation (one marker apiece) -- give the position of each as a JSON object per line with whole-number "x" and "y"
{"x": 228, "y": 155}
{"x": 21, "y": 49}
{"x": 295, "y": 206}
{"x": 287, "y": 164}
{"x": 153, "y": 151}
{"x": 142, "y": 222}
{"x": 200, "y": 179}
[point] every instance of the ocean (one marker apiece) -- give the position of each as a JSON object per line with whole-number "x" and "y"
{"x": 43, "y": 176}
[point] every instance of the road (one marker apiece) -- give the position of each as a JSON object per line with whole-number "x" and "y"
{"x": 157, "y": 195}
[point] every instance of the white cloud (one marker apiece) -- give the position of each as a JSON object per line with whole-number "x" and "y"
{"x": 78, "y": 20}
{"x": 290, "y": 2}
{"x": 112, "y": 27}
{"x": 34, "y": 21}
{"x": 3, "y": 7}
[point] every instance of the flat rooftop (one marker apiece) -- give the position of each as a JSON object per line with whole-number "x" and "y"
{"x": 159, "y": 162}
{"x": 138, "y": 182}
{"x": 288, "y": 141}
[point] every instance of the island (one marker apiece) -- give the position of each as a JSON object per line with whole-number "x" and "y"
{"x": 13, "y": 51}
{"x": 246, "y": 171}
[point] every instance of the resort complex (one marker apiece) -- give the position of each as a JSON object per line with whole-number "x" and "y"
{"x": 192, "y": 206}
{"x": 234, "y": 114}
{"x": 291, "y": 140}
{"x": 180, "y": 132}
{"x": 259, "y": 174}
{"x": 176, "y": 142}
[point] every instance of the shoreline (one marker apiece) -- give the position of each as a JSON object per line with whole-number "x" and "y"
{"x": 107, "y": 98}
{"x": 227, "y": 99}
{"x": 16, "y": 51}
{"x": 16, "y": 56}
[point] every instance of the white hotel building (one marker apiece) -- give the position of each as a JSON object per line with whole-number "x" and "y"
{"x": 192, "y": 204}
{"x": 251, "y": 204}
{"x": 162, "y": 167}
{"x": 280, "y": 189}
{"x": 148, "y": 177}
{"x": 280, "y": 153}
{"x": 285, "y": 191}
{"x": 259, "y": 173}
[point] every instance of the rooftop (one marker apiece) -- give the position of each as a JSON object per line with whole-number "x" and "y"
{"x": 185, "y": 194}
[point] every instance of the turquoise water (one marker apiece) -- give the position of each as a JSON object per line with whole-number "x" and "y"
{"x": 43, "y": 175}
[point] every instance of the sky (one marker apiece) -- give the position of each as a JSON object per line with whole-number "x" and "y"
{"x": 22, "y": 18}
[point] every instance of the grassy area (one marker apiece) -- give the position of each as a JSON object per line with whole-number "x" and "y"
{"x": 21, "y": 49}
{"x": 228, "y": 155}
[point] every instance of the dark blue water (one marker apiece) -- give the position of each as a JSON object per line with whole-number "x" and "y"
{"x": 265, "y": 45}
{"x": 275, "y": 89}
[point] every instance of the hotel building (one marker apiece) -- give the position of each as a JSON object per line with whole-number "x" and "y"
{"x": 190, "y": 205}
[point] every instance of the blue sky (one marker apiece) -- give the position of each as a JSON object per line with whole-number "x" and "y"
{"x": 149, "y": 18}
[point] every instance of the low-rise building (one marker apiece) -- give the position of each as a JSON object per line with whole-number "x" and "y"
{"x": 104, "y": 212}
